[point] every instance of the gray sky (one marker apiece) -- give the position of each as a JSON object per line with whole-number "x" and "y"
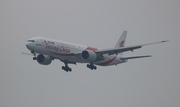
{"x": 149, "y": 82}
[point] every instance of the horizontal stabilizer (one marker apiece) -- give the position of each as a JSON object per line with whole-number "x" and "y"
{"x": 125, "y": 58}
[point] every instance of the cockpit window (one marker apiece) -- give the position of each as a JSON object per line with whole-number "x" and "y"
{"x": 31, "y": 41}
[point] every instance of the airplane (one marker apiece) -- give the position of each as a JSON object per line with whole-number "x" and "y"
{"x": 70, "y": 53}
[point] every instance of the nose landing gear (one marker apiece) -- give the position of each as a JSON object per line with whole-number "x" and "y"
{"x": 34, "y": 53}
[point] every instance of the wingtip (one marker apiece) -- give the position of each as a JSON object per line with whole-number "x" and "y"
{"x": 165, "y": 41}
{"x": 148, "y": 56}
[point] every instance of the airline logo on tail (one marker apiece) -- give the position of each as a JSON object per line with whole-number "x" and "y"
{"x": 121, "y": 44}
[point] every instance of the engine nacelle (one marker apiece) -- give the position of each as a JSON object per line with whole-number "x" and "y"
{"x": 44, "y": 59}
{"x": 88, "y": 55}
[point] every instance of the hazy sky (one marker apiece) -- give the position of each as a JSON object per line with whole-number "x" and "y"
{"x": 148, "y": 82}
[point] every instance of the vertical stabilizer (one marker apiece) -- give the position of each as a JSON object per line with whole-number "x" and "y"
{"x": 121, "y": 41}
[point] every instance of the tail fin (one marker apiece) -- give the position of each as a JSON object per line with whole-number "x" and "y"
{"x": 121, "y": 41}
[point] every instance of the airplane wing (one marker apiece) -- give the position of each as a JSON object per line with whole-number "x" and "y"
{"x": 123, "y": 49}
{"x": 125, "y": 58}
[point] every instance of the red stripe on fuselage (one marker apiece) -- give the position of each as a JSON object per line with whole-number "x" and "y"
{"x": 107, "y": 62}
{"x": 91, "y": 48}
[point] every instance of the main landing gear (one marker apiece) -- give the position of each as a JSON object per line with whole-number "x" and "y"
{"x": 91, "y": 66}
{"x": 66, "y": 68}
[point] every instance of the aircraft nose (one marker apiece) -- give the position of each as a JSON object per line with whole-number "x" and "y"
{"x": 29, "y": 45}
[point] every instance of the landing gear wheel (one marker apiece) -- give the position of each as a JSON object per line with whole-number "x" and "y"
{"x": 34, "y": 58}
{"x": 70, "y": 69}
{"x": 88, "y": 65}
{"x": 95, "y": 67}
{"x": 91, "y": 66}
{"x": 66, "y": 68}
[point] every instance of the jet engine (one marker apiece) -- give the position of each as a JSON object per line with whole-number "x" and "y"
{"x": 44, "y": 59}
{"x": 88, "y": 55}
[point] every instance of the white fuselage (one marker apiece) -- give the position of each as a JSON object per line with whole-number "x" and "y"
{"x": 67, "y": 51}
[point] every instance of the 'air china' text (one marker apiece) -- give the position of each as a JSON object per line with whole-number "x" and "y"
{"x": 56, "y": 49}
